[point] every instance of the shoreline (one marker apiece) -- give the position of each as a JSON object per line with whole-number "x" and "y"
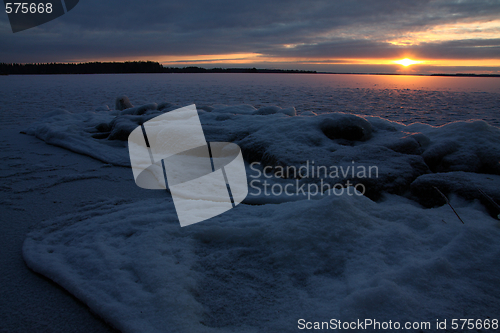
{"x": 277, "y": 72}
{"x": 150, "y": 67}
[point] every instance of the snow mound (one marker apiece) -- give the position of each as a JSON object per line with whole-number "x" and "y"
{"x": 273, "y": 137}
{"x": 472, "y": 146}
{"x": 470, "y": 186}
{"x": 139, "y": 109}
{"x": 261, "y": 268}
{"x": 74, "y": 131}
{"x": 349, "y": 127}
{"x": 123, "y": 103}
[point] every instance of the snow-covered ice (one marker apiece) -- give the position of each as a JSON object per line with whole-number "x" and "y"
{"x": 261, "y": 268}
{"x": 382, "y": 255}
{"x": 267, "y": 263}
{"x": 401, "y": 153}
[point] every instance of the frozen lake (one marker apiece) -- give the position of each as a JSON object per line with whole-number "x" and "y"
{"x": 406, "y": 99}
{"x": 87, "y": 227}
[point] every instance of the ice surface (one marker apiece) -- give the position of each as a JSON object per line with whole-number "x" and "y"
{"x": 433, "y": 100}
{"x": 37, "y": 186}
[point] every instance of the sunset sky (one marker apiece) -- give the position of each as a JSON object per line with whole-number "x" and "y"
{"x": 369, "y": 36}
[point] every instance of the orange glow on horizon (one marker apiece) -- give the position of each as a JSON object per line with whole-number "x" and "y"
{"x": 256, "y": 58}
{"x": 407, "y": 62}
{"x": 265, "y": 61}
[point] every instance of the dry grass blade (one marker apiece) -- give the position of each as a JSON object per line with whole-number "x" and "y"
{"x": 449, "y": 204}
{"x": 490, "y": 200}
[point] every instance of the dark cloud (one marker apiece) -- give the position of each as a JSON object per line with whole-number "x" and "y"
{"x": 462, "y": 49}
{"x": 320, "y": 28}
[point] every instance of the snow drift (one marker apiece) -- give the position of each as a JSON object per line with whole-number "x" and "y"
{"x": 260, "y": 268}
{"x": 276, "y": 137}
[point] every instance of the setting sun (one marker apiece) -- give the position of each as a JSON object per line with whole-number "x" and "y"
{"x": 407, "y": 62}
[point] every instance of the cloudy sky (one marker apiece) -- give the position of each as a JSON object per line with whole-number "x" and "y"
{"x": 324, "y": 35}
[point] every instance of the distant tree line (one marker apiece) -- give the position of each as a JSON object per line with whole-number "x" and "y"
{"x": 122, "y": 67}
{"x": 83, "y": 68}
{"x": 231, "y": 70}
